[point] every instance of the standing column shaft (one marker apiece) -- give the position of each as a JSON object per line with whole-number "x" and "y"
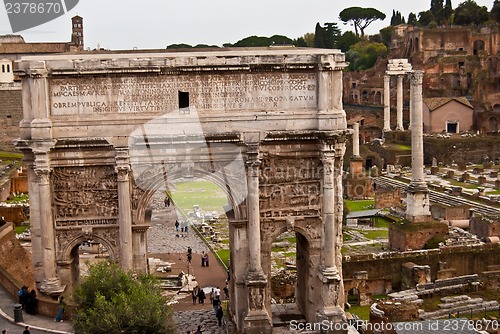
{"x": 417, "y": 144}
{"x": 253, "y": 164}
{"x": 387, "y": 103}
{"x": 328, "y": 160}
{"x": 355, "y": 140}
{"x": 46, "y": 225}
{"x": 125, "y": 209}
{"x": 399, "y": 114}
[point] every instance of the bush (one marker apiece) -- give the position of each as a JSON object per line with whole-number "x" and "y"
{"x": 110, "y": 300}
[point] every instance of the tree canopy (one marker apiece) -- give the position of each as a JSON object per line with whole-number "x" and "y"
{"x": 469, "y": 12}
{"x": 112, "y": 301}
{"x": 364, "y": 54}
{"x": 495, "y": 11}
{"x": 326, "y": 37}
{"x": 361, "y": 17}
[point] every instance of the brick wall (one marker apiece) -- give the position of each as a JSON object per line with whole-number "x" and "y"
{"x": 11, "y": 113}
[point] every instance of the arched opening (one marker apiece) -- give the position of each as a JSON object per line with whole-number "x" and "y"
{"x": 478, "y": 47}
{"x": 80, "y": 253}
{"x": 353, "y": 297}
{"x": 378, "y": 98}
{"x": 289, "y": 268}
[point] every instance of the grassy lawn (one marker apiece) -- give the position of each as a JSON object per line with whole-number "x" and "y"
{"x": 363, "y": 312}
{"x": 20, "y": 229}
{"x": 224, "y": 255}
{"x": 359, "y": 205}
{"x": 462, "y": 184}
{"x": 376, "y": 234}
{"x": 10, "y": 155}
{"x": 382, "y": 222}
{"x": 199, "y": 192}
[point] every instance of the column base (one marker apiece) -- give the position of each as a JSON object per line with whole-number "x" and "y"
{"x": 257, "y": 323}
{"x": 52, "y": 286}
{"x": 330, "y": 275}
{"x": 336, "y": 320}
{"x": 400, "y": 128}
{"x": 417, "y": 203}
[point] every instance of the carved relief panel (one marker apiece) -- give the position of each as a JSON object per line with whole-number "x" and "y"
{"x": 290, "y": 186}
{"x": 85, "y": 196}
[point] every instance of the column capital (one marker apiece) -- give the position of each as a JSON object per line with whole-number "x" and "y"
{"x": 252, "y": 155}
{"x": 43, "y": 174}
{"x": 416, "y": 77}
{"x": 387, "y": 78}
{"x": 122, "y": 172}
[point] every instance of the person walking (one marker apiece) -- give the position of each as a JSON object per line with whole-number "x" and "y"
{"x": 206, "y": 259}
{"x": 31, "y": 303}
{"x": 201, "y": 296}
{"x": 203, "y": 258}
{"x": 216, "y": 304}
{"x": 26, "y": 330}
{"x": 60, "y": 310}
{"x": 176, "y": 225}
{"x": 194, "y": 295}
{"x": 219, "y": 315}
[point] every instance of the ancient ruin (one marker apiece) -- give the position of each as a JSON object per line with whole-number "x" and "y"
{"x": 101, "y": 133}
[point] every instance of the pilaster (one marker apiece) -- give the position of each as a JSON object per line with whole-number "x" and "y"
{"x": 125, "y": 208}
{"x": 387, "y": 103}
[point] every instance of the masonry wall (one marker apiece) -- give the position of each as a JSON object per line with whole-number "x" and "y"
{"x": 11, "y": 113}
{"x": 466, "y": 260}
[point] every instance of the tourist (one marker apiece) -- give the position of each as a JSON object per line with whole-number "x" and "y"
{"x": 211, "y": 296}
{"x": 60, "y": 310}
{"x": 26, "y": 330}
{"x": 206, "y": 259}
{"x": 200, "y": 329}
{"x": 216, "y": 303}
{"x": 31, "y": 303}
{"x": 194, "y": 294}
{"x": 219, "y": 314}
{"x": 23, "y": 295}
{"x": 201, "y": 296}
{"x": 226, "y": 291}
{"x": 176, "y": 225}
{"x": 4, "y": 331}
{"x": 203, "y": 258}
{"x": 217, "y": 292}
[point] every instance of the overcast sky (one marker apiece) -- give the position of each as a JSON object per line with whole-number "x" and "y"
{"x": 148, "y": 24}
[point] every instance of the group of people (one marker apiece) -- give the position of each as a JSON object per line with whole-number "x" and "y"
{"x": 198, "y": 294}
{"x": 183, "y": 225}
{"x": 26, "y": 330}
{"x": 28, "y": 300}
{"x": 204, "y": 259}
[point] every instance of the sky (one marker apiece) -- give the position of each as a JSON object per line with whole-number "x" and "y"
{"x": 155, "y": 24}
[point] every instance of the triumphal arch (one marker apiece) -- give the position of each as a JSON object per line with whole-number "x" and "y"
{"x": 102, "y": 132}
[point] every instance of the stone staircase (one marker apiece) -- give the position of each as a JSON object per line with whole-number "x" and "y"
{"x": 459, "y": 304}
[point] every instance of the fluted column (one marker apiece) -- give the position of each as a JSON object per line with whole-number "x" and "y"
{"x": 125, "y": 208}
{"x": 387, "y": 103}
{"x": 399, "y": 112}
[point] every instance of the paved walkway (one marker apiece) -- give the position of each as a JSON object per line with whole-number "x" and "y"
{"x": 164, "y": 243}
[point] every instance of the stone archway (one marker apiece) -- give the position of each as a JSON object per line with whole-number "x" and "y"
{"x": 102, "y": 132}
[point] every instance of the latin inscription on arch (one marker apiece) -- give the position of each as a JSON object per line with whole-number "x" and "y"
{"x": 159, "y": 94}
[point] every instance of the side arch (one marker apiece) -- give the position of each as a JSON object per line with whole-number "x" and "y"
{"x": 66, "y": 252}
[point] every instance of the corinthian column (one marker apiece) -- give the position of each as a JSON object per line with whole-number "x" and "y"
{"x": 51, "y": 284}
{"x": 125, "y": 209}
{"x": 387, "y": 103}
{"x": 253, "y": 163}
{"x": 328, "y": 161}
{"x": 257, "y": 319}
{"x": 417, "y": 202}
{"x": 399, "y": 111}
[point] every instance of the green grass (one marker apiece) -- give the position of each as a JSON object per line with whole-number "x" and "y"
{"x": 10, "y": 155}
{"x": 462, "y": 184}
{"x": 359, "y": 205}
{"x": 382, "y": 222}
{"x": 290, "y": 254}
{"x": 361, "y": 311}
{"x": 224, "y": 255}
{"x": 376, "y": 234}
{"x": 199, "y": 192}
{"x": 21, "y": 198}
{"x": 21, "y": 228}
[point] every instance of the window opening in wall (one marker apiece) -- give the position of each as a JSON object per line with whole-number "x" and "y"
{"x": 3, "y": 68}
{"x": 183, "y": 102}
{"x": 461, "y": 64}
{"x": 9, "y": 120}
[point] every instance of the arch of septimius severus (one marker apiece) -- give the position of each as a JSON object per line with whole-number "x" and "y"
{"x": 101, "y": 133}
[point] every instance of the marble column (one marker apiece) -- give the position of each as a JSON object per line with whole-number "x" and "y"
{"x": 51, "y": 284}
{"x": 257, "y": 320}
{"x": 124, "y": 208}
{"x": 355, "y": 140}
{"x": 328, "y": 162}
{"x": 417, "y": 203}
{"x": 387, "y": 103}
{"x": 399, "y": 111}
